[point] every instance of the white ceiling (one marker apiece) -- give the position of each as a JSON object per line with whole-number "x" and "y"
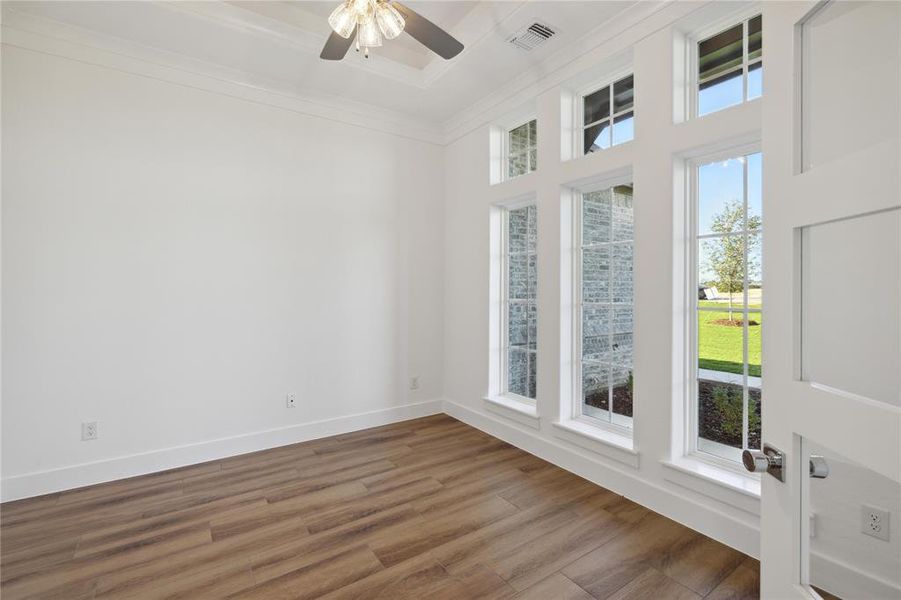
{"x": 275, "y": 44}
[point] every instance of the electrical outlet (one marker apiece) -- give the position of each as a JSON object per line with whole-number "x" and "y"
{"x": 291, "y": 400}
{"x": 874, "y": 522}
{"x": 89, "y": 431}
{"x": 414, "y": 382}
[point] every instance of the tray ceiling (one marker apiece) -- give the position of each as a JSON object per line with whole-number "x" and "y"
{"x": 275, "y": 44}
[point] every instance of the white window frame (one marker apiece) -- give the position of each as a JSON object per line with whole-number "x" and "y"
{"x": 693, "y": 75}
{"x": 533, "y": 144}
{"x": 709, "y": 451}
{"x": 579, "y": 110}
{"x": 503, "y": 348}
{"x": 618, "y": 424}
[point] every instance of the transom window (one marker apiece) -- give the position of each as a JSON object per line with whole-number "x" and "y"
{"x": 604, "y": 321}
{"x": 727, "y": 305}
{"x": 730, "y": 66}
{"x": 522, "y": 149}
{"x": 608, "y": 116}
{"x": 520, "y": 337}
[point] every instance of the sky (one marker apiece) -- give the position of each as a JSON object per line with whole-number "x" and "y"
{"x": 721, "y": 182}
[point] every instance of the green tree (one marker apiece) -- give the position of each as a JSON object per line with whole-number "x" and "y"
{"x": 726, "y": 254}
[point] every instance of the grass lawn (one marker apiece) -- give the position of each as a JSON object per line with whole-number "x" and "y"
{"x": 720, "y": 346}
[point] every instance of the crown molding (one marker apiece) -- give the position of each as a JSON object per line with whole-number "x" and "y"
{"x": 607, "y": 39}
{"x": 476, "y": 25}
{"x": 41, "y": 34}
{"x": 298, "y": 37}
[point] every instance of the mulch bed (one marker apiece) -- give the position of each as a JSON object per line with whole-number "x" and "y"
{"x": 735, "y": 323}
{"x": 622, "y": 400}
{"x": 710, "y": 418}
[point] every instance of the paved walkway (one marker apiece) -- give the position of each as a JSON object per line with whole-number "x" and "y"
{"x": 724, "y": 377}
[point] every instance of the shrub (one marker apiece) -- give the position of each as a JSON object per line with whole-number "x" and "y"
{"x": 728, "y": 401}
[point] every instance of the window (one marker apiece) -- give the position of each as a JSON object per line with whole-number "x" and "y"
{"x": 608, "y": 116}
{"x": 603, "y": 325}
{"x": 522, "y": 149}
{"x": 730, "y": 66}
{"x": 519, "y": 343}
{"x": 727, "y": 305}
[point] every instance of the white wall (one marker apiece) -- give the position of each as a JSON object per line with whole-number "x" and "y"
{"x": 725, "y": 512}
{"x": 175, "y": 261}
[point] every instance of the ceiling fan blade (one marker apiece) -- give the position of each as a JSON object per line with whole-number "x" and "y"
{"x": 428, "y": 34}
{"x": 336, "y": 46}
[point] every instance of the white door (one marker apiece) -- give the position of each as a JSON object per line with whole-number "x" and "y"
{"x": 832, "y": 263}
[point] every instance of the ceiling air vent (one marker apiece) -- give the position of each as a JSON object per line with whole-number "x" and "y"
{"x": 531, "y": 37}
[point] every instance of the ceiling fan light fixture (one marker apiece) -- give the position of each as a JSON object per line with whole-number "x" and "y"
{"x": 343, "y": 20}
{"x": 365, "y": 22}
{"x": 390, "y": 21}
{"x": 368, "y": 34}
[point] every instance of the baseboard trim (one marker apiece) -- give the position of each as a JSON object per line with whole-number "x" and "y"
{"x": 75, "y": 476}
{"x": 624, "y": 481}
{"x": 845, "y": 581}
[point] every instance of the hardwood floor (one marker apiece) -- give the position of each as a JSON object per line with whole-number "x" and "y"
{"x": 429, "y": 508}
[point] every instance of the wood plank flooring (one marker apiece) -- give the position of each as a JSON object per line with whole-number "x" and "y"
{"x": 429, "y": 508}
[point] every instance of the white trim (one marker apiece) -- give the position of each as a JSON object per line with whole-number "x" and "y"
{"x": 602, "y": 441}
{"x": 39, "y": 34}
{"x": 737, "y": 17}
{"x": 621, "y": 427}
{"x": 839, "y": 578}
{"x": 75, "y": 476}
{"x": 578, "y": 112}
{"x": 741, "y": 490}
{"x": 516, "y": 408}
{"x": 741, "y": 147}
{"x": 630, "y": 26}
{"x": 532, "y": 146}
{"x": 502, "y": 305}
{"x": 613, "y": 475}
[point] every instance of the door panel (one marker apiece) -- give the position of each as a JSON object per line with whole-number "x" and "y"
{"x": 850, "y": 316}
{"x": 838, "y": 78}
{"x": 832, "y": 346}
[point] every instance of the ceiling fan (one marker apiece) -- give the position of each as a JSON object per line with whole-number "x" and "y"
{"x": 366, "y": 22}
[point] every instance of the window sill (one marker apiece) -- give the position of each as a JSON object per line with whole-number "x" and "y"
{"x": 601, "y": 441}
{"x": 731, "y": 486}
{"x": 517, "y": 410}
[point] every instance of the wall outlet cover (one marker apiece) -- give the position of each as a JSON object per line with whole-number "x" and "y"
{"x": 875, "y": 522}
{"x": 291, "y": 400}
{"x": 89, "y": 431}
{"x": 414, "y": 382}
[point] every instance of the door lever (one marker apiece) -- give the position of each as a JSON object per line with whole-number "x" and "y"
{"x": 771, "y": 461}
{"x": 819, "y": 468}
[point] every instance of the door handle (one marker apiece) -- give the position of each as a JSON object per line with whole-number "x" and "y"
{"x": 819, "y": 468}
{"x": 771, "y": 461}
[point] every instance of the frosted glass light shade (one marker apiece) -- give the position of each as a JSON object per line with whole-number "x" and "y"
{"x": 369, "y": 34}
{"x": 390, "y": 21}
{"x": 361, "y": 8}
{"x": 343, "y": 20}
